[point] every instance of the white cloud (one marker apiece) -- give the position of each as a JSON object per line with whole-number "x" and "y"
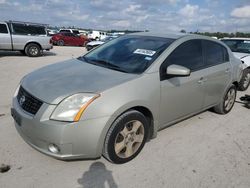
{"x": 189, "y": 10}
{"x": 242, "y": 12}
{"x": 3, "y": 1}
{"x": 141, "y": 18}
{"x": 132, "y": 8}
{"x": 122, "y": 23}
{"x": 73, "y": 16}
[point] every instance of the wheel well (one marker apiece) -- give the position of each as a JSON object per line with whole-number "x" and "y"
{"x": 236, "y": 84}
{"x": 33, "y": 43}
{"x": 149, "y": 116}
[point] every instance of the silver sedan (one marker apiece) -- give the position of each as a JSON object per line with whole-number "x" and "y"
{"x": 116, "y": 97}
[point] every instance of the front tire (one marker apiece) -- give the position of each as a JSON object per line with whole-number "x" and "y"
{"x": 227, "y": 102}
{"x": 126, "y": 137}
{"x": 33, "y": 50}
{"x": 245, "y": 80}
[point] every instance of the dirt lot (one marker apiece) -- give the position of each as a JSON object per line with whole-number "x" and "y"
{"x": 207, "y": 150}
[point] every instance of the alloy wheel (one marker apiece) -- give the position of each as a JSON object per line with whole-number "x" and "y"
{"x": 246, "y": 80}
{"x": 129, "y": 140}
{"x": 230, "y": 99}
{"x": 33, "y": 50}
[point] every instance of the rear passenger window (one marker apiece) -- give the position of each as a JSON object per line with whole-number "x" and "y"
{"x": 3, "y": 28}
{"x": 188, "y": 54}
{"x": 214, "y": 53}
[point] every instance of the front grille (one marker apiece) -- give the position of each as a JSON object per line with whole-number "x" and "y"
{"x": 28, "y": 102}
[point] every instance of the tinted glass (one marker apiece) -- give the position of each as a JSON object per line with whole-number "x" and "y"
{"x": 76, "y": 32}
{"x": 131, "y": 53}
{"x": 188, "y": 54}
{"x": 23, "y": 29}
{"x": 69, "y": 34}
{"x": 242, "y": 46}
{"x": 214, "y": 53}
{"x": 3, "y": 28}
{"x": 65, "y": 30}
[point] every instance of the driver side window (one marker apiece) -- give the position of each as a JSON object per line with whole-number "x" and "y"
{"x": 187, "y": 54}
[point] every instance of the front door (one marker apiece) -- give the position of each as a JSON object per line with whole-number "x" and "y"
{"x": 182, "y": 96}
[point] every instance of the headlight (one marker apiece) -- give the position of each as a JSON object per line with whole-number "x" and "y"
{"x": 71, "y": 108}
{"x": 17, "y": 90}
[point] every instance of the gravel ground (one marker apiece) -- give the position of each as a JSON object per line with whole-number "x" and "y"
{"x": 207, "y": 150}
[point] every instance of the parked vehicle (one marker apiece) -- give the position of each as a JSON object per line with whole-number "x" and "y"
{"x": 74, "y": 31}
{"x": 52, "y": 32}
{"x": 28, "y": 38}
{"x": 69, "y": 39}
{"x": 94, "y": 44}
{"x": 83, "y": 32}
{"x": 97, "y": 35}
{"x": 241, "y": 49}
{"x": 116, "y": 97}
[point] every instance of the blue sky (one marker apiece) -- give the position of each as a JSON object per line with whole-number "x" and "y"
{"x": 153, "y": 15}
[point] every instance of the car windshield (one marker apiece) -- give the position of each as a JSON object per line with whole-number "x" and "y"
{"x": 242, "y": 46}
{"x": 131, "y": 53}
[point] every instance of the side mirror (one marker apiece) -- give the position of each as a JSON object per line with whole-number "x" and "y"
{"x": 177, "y": 70}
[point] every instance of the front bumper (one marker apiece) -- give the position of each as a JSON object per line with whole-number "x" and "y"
{"x": 77, "y": 140}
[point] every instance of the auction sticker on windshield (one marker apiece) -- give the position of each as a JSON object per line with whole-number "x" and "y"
{"x": 144, "y": 52}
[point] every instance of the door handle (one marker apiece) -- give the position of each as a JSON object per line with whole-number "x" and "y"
{"x": 202, "y": 80}
{"x": 227, "y": 70}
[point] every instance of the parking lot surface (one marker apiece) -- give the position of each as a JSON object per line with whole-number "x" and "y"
{"x": 207, "y": 150}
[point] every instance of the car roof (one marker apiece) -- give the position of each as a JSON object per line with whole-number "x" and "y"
{"x": 164, "y": 35}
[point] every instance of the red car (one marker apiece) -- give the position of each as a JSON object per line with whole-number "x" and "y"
{"x": 69, "y": 39}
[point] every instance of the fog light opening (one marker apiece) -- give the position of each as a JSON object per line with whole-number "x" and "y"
{"x": 53, "y": 148}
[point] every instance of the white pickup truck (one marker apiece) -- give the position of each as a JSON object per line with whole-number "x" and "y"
{"x": 28, "y": 38}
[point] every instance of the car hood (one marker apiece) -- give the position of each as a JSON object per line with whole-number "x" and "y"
{"x": 240, "y": 55}
{"x": 245, "y": 57}
{"x": 93, "y": 43}
{"x": 53, "y": 83}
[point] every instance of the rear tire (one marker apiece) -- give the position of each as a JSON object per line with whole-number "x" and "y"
{"x": 227, "y": 102}
{"x": 33, "y": 50}
{"x": 60, "y": 43}
{"x": 126, "y": 137}
{"x": 245, "y": 80}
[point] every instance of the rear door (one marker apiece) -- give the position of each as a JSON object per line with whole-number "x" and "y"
{"x": 182, "y": 96}
{"x": 5, "y": 39}
{"x": 219, "y": 69}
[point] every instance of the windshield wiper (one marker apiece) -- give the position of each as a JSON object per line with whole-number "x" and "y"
{"x": 107, "y": 64}
{"x": 83, "y": 58}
